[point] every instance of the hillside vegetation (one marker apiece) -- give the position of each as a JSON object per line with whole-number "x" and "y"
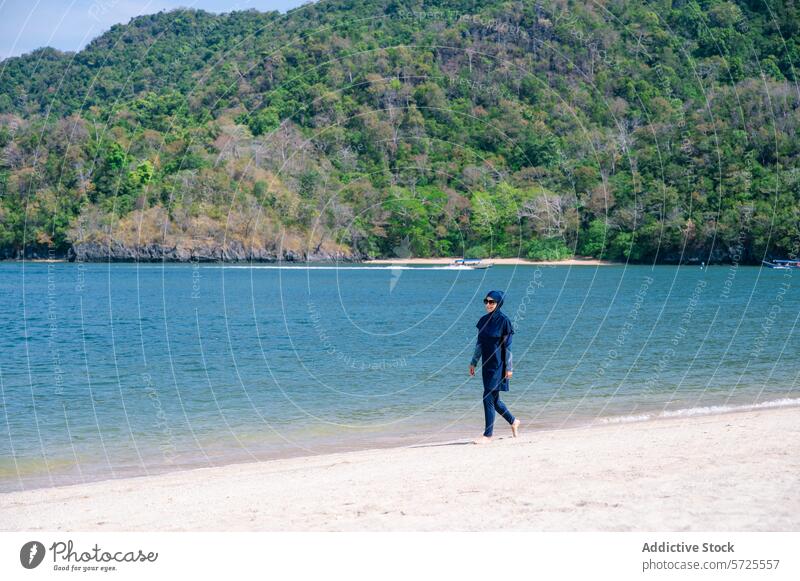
{"x": 643, "y": 131}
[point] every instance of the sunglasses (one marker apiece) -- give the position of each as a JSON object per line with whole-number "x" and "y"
{"x": 489, "y": 301}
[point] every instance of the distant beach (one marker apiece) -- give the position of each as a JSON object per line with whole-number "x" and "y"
{"x": 409, "y": 261}
{"x": 498, "y": 261}
{"x": 734, "y": 471}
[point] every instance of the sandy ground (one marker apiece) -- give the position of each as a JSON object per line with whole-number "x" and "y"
{"x": 738, "y": 472}
{"x": 499, "y": 261}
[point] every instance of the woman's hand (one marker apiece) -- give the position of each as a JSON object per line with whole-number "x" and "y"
{"x": 472, "y": 370}
{"x": 508, "y": 374}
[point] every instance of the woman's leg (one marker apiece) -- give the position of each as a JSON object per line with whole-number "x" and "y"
{"x": 502, "y": 409}
{"x": 488, "y": 411}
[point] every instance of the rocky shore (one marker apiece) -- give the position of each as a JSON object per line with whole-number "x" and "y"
{"x": 233, "y": 251}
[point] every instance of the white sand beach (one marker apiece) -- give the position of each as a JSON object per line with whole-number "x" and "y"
{"x": 737, "y": 472}
{"x": 497, "y": 261}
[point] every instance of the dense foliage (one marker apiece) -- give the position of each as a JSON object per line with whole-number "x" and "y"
{"x": 647, "y": 131}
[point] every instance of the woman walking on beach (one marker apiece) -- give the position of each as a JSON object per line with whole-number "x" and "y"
{"x": 494, "y": 347}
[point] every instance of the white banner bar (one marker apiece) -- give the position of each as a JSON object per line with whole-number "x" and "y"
{"x": 402, "y": 556}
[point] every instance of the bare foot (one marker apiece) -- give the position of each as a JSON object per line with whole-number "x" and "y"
{"x": 482, "y": 440}
{"x": 515, "y": 427}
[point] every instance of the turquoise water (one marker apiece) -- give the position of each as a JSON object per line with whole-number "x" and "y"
{"x": 119, "y": 370}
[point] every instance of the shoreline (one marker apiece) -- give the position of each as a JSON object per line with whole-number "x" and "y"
{"x": 409, "y": 261}
{"x": 730, "y": 471}
{"x": 375, "y": 261}
{"x": 423, "y": 434}
{"x": 498, "y": 261}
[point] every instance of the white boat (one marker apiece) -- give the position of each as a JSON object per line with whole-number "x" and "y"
{"x": 782, "y": 264}
{"x": 469, "y": 264}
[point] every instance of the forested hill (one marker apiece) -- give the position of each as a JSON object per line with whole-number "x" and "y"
{"x": 643, "y": 131}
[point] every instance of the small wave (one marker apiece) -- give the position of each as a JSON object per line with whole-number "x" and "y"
{"x": 700, "y": 411}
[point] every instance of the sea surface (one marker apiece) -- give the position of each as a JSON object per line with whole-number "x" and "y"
{"x": 114, "y": 370}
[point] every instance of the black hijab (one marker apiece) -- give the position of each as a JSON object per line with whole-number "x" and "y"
{"x": 496, "y": 323}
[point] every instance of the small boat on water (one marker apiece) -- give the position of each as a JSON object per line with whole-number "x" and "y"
{"x": 469, "y": 264}
{"x": 782, "y": 264}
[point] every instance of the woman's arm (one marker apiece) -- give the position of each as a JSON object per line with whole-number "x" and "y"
{"x": 476, "y": 354}
{"x": 509, "y": 362}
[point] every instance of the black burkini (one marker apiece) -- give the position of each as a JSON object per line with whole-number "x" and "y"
{"x": 494, "y": 337}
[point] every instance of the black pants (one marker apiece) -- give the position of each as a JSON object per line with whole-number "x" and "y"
{"x": 491, "y": 402}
